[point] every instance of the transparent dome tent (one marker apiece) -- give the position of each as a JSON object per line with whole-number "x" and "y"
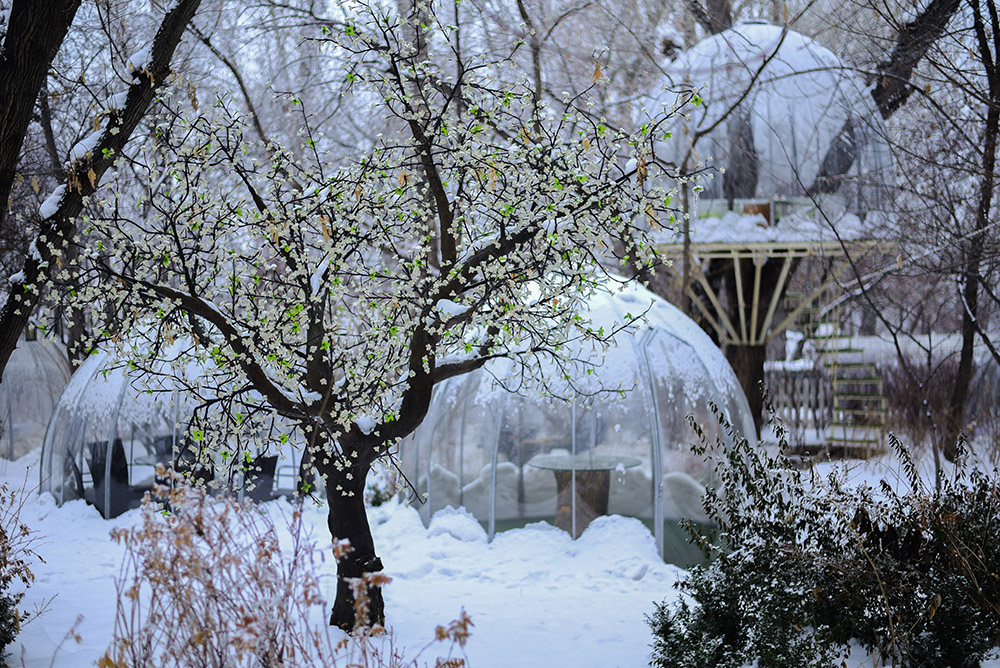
{"x": 621, "y": 444}
{"x": 111, "y": 429}
{"x": 33, "y": 380}
{"x": 782, "y": 115}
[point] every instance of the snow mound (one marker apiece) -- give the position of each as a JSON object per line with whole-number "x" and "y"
{"x": 457, "y": 523}
{"x": 610, "y": 536}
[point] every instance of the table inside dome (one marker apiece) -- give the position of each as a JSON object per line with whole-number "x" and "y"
{"x": 593, "y": 485}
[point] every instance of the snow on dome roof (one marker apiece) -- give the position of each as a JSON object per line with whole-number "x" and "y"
{"x": 772, "y": 140}
{"x": 111, "y": 427}
{"x": 498, "y": 447}
{"x": 740, "y": 51}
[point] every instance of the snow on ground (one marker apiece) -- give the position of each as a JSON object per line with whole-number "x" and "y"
{"x": 536, "y": 597}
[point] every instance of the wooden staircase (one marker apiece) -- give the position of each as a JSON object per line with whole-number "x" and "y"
{"x": 859, "y": 407}
{"x": 858, "y": 404}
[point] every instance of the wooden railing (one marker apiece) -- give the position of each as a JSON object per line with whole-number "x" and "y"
{"x": 801, "y": 398}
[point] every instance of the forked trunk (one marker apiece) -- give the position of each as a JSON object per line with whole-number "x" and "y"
{"x": 348, "y": 520}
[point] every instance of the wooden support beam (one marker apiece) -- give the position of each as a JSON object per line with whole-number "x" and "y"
{"x": 758, "y": 267}
{"x": 699, "y": 275}
{"x": 707, "y": 314}
{"x": 790, "y": 318}
{"x": 741, "y": 301}
{"x": 775, "y": 298}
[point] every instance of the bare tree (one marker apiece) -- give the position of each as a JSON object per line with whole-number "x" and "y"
{"x": 945, "y": 202}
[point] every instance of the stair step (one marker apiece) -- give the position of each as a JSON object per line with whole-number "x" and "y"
{"x": 852, "y": 365}
{"x": 859, "y": 397}
{"x": 831, "y": 337}
{"x": 863, "y": 399}
{"x": 805, "y": 456}
{"x": 872, "y": 443}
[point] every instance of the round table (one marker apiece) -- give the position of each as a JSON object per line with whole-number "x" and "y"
{"x": 593, "y": 485}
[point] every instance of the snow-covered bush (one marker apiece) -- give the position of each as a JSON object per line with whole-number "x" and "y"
{"x": 805, "y": 565}
{"x": 16, "y": 554}
{"x": 210, "y": 585}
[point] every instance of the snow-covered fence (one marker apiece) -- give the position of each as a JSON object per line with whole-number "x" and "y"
{"x": 801, "y": 396}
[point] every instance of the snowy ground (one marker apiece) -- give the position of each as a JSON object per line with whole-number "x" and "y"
{"x": 536, "y": 597}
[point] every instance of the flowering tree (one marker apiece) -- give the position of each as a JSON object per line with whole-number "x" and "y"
{"x": 337, "y": 295}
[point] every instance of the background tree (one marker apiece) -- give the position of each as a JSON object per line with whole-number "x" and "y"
{"x": 945, "y": 140}
{"x": 889, "y": 76}
{"x": 34, "y": 33}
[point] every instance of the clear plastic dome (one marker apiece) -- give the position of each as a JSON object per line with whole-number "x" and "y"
{"x": 110, "y": 429}
{"x": 781, "y": 137}
{"x": 621, "y": 444}
{"x": 32, "y": 382}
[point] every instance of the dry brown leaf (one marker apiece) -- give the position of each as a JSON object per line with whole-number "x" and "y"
{"x": 326, "y": 228}
{"x": 640, "y": 168}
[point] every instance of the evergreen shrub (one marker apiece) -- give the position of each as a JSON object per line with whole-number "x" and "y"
{"x": 803, "y": 566}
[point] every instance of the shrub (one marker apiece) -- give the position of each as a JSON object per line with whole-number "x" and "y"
{"x": 16, "y": 554}
{"x": 916, "y": 392}
{"x": 208, "y": 585}
{"x": 805, "y": 565}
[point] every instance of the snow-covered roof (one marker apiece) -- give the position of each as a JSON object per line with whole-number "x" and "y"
{"x": 748, "y": 229}
{"x": 800, "y": 97}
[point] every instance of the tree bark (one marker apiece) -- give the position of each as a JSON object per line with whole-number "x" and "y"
{"x": 714, "y": 17}
{"x": 748, "y": 364}
{"x": 892, "y": 87}
{"x": 348, "y": 519}
{"x": 35, "y": 31}
{"x": 974, "y": 253}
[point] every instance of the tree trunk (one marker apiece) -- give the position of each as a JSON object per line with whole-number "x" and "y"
{"x": 748, "y": 363}
{"x": 747, "y": 358}
{"x": 35, "y": 31}
{"x": 349, "y": 520}
{"x": 955, "y": 420}
{"x": 892, "y": 87}
{"x": 974, "y": 253}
